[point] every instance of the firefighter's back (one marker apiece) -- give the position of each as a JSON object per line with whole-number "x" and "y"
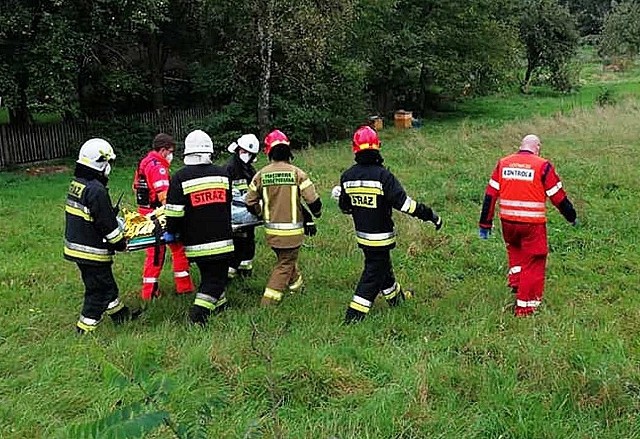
{"x": 207, "y": 218}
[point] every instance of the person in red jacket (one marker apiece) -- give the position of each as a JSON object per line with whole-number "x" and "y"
{"x": 151, "y": 184}
{"x": 522, "y": 181}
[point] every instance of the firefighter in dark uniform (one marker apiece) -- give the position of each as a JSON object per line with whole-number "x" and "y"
{"x": 241, "y": 172}
{"x": 198, "y": 213}
{"x": 368, "y": 192}
{"x": 92, "y": 234}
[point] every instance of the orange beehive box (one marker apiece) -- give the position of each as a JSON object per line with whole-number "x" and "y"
{"x": 402, "y": 119}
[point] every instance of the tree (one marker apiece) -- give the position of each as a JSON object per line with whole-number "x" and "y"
{"x": 265, "y": 25}
{"x": 284, "y": 60}
{"x": 550, "y": 38}
{"x": 38, "y": 62}
{"x": 590, "y": 14}
{"x": 621, "y": 33}
{"x": 419, "y": 51}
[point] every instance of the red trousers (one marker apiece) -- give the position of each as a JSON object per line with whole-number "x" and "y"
{"x": 152, "y": 271}
{"x": 527, "y": 251}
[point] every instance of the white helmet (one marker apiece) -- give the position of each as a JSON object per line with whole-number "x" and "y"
{"x": 96, "y": 154}
{"x": 248, "y": 142}
{"x": 198, "y": 142}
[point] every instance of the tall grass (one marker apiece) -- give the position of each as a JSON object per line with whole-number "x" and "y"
{"x": 453, "y": 363}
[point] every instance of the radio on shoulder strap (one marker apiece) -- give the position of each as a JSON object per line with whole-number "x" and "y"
{"x": 142, "y": 190}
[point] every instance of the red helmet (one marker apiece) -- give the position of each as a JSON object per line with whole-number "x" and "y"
{"x": 275, "y": 137}
{"x": 365, "y": 137}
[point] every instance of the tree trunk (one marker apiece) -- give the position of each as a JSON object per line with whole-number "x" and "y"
{"x": 156, "y": 68}
{"x": 265, "y": 37}
{"x": 20, "y": 115}
{"x": 531, "y": 66}
{"x": 425, "y": 93}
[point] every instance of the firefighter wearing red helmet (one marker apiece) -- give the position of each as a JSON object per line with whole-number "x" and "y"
{"x": 369, "y": 192}
{"x": 151, "y": 183}
{"x": 275, "y": 194}
{"x": 523, "y": 181}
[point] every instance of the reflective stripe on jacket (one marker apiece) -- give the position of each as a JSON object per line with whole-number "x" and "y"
{"x": 156, "y": 171}
{"x": 91, "y": 228}
{"x": 522, "y": 194}
{"x": 370, "y": 192}
{"x": 279, "y": 186}
{"x": 198, "y": 209}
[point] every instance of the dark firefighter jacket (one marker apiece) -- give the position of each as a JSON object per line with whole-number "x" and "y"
{"x": 240, "y": 174}
{"x": 198, "y": 210}
{"x": 369, "y": 193}
{"x": 92, "y": 232}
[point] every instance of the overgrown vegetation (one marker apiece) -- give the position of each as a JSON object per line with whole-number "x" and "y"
{"x": 312, "y": 68}
{"x": 452, "y": 363}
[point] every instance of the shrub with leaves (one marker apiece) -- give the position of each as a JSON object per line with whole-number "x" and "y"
{"x": 548, "y": 33}
{"x": 145, "y": 415}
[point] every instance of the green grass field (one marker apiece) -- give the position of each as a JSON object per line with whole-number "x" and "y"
{"x": 453, "y": 363}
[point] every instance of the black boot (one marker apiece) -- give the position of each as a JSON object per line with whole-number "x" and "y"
{"x": 125, "y": 315}
{"x": 199, "y": 315}
{"x": 353, "y": 316}
{"x": 221, "y": 308}
{"x": 400, "y": 297}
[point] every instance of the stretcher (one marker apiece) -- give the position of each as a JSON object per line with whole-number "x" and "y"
{"x": 144, "y": 231}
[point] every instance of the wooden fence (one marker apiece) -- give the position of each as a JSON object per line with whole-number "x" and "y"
{"x": 36, "y": 143}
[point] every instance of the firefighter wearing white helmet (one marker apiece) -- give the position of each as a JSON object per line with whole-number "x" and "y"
{"x": 93, "y": 234}
{"x": 198, "y": 213}
{"x": 198, "y": 148}
{"x": 97, "y": 154}
{"x": 241, "y": 171}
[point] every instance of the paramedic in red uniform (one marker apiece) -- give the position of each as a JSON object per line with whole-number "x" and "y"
{"x": 151, "y": 184}
{"x": 522, "y": 181}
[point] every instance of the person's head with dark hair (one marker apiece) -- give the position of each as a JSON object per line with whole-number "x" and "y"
{"x": 277, "y": 147}
{"x": 165, "y": 145}
{"x": 280, "y": 153}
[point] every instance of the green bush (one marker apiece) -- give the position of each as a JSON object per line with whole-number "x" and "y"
{"x": 565, "y": 77}
{"x": 129, "y": 138}
{"x": 225, "y": 126}
{"x": 605, "y": 97}
{"x": 329, "y": 109}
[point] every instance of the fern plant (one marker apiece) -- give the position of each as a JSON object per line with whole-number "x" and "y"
{"x": 138, "y": 419}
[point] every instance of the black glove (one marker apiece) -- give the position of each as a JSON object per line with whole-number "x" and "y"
{"x": 427, "y": 214}
{"x": 310, "y": 229}
{"x": 423, "y": 212}
{"x": 119, "y": 246}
